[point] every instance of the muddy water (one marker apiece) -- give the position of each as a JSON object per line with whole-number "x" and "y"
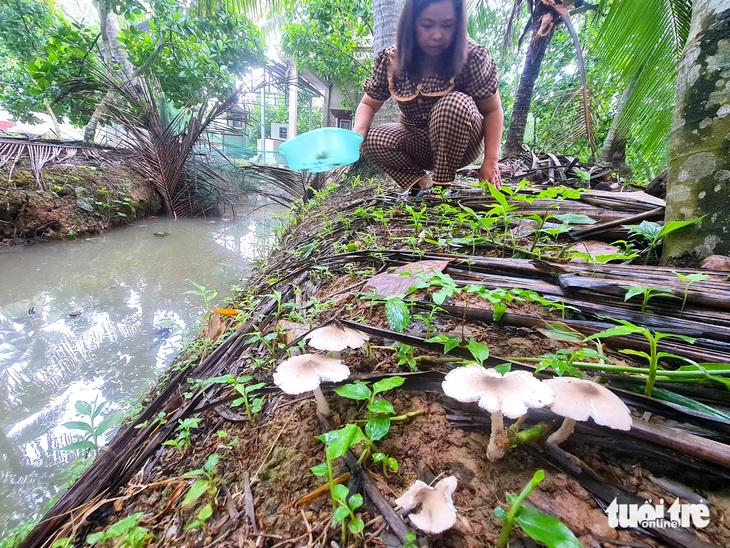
{"x": 99, "y": 320}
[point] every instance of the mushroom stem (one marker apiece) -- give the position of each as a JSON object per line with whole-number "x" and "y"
{"x": 322, "y": 405}
{"x": 562, "y": 433}
{"x": 337, "y": 354}
{"x": 494, "y": 451}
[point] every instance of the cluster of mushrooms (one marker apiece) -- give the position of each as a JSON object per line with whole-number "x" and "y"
{"x": 509, "y": 395}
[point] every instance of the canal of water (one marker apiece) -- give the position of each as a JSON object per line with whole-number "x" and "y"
{"x": 98, "y": 320}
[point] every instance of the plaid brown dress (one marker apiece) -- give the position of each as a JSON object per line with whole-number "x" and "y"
{"x": 440, "y": 128}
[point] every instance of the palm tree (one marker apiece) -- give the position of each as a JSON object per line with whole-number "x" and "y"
{"x": 545, "y": 17}
{"x": 642, "y": 42}
{"x": 699, "y": 162}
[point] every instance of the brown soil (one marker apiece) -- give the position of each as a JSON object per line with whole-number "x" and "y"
{"x": 30, "y": 211}
{"x": 266, "y": 469}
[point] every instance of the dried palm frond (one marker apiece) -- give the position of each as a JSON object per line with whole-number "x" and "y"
{"x": 163, "y": 143}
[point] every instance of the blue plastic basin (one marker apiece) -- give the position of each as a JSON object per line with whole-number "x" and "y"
{"x": 322, "y": 149}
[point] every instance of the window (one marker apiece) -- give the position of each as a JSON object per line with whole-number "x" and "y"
{"x": 283, "y": 132}
{"x": 236, "y": 120}
{"x": 345, "y": 124}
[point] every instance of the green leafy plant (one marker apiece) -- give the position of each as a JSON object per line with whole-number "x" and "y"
{"x": 653, "y": 233}
{"x": 647, "y": 293}
{"x": 126, "y": 533}
{"x": 91, "y": 429}
{"x": 541, "y": 527}
{"x": 653, "y": 356}
{"x": 337, "y": 443}
{"x": 251, "y": 402}
{"x": 205, "y": 484}
{"x": 206, "y": 294}
{"x": 184, "y": 428}
{"x": 688, "y": 280}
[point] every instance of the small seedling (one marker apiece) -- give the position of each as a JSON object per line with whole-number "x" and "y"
{"x": 653, "y": 233}
{"x": 542, "y": 528}
{"x": 647, "y": 294}
{"x": 126, "y": 532}
{"x": 92, "y": 429}
{"x": 182, "y": 441}
{"x": 206, "y": 294}
{"x": 688, "y": 280}
{"x": 206, "y": 483}
{"x": 653, "y": 356}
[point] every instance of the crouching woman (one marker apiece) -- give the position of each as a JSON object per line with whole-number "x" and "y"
{"x": 445, "y": 85}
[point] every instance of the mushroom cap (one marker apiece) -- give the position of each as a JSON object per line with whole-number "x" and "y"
{"x": 579, "y": 399}
{"x": 511, "y": 394}
{"x": 304, "y": 373}
{"x": 333, "y": 338}
{"x": 437, "y": 508}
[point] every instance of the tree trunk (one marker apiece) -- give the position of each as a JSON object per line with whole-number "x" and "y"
{"x": 613, "y": 152}
{"x": 699, "y": 163}
{"x": 113, "y": 55}
{"x": 54, "y": 120}
{"x": 385, "y": 25}
{"x": 541, "y": 36}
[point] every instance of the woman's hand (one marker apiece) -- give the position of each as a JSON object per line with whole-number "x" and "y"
{"x": 490, "y": 172}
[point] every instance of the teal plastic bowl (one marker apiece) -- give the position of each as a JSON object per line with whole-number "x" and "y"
{"x": 322, "y": 149}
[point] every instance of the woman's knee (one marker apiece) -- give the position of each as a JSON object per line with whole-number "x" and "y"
{"x": 456, "y": 104}
{"x": 378, "y": 139}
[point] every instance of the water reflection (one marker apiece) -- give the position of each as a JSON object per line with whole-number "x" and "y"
{"x": 99, "y": 319}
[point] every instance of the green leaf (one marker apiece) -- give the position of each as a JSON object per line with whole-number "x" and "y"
{"x": 561, "y": 332}
{"x": 500, "y": 513}
{"x": 109, "y": 422}
{"x": 339, "y": 441}
{"x": 377, "y": 427}
{"x": 575, "y": 219}
{"x": 617, "y": 331}
{"x": 83, "y": 407}
{"x": 193, "y": 473}
{"x": 480, "y": 351}
{"x": 671, "y": 226}
{"x": 355, "y": 391}
{"x": 205, "y": 512}
{"x": 78, "y": 425}
{"x": 355, "y": 501}
{"x": 80, "y": 444}
{"x": 398, "y": 315}
{"x": 211, "y": 462}
{"x": 632, "y": 291}
{"x": 381, "y": 406}
{"x": 449, "y": 342}
{"x": 546, "y": 529}
{"x": 388, "y": 383}
{"x": 196, "y": 491}
{"x": 503, "y": 368}
{"x": 122, "y": 526}
{"x": 319, "y": 470}
{"x": 93, "y": 538}
{"x": 341, "y": 513}
{"x": 340, "y": 492}
{"x": 356, "y": 526}
{"x": 635, "y": 353}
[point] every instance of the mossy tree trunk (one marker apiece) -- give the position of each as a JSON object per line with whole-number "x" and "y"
{"x": 699, "y": 146}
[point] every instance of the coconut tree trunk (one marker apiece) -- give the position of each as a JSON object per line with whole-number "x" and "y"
{"x": 523, "y": 98}
{"x": 113, "y": 54}
{"x": 613, "y": 151}
{"x": 699, "y": 163}
{"x": 385, "y": 25}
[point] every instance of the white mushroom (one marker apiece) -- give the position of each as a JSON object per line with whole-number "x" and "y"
{"x": 304, "y": 373}
{"x": 578, "y": 399}
{"x": 437, "y": 509}
{"x": 335, "y": 338}
{"x": 509, "y": 395}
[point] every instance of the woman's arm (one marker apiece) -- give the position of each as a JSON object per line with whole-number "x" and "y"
{"x": 491, "y": 109}
{"x": 365, "y": 113}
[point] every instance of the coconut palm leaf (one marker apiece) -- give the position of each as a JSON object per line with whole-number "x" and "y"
{"x": 644, "y": 40}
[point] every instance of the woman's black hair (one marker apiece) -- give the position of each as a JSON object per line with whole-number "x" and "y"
{"x": 408, "y": 51}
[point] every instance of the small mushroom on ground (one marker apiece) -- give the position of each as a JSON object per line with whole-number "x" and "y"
{"x": 304, "y": 373}
{"x": 437, "y": 509}
{"x": 578, "y": 399}
{"x": 335, "y": 338}
{"x": 509, "y": 395}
